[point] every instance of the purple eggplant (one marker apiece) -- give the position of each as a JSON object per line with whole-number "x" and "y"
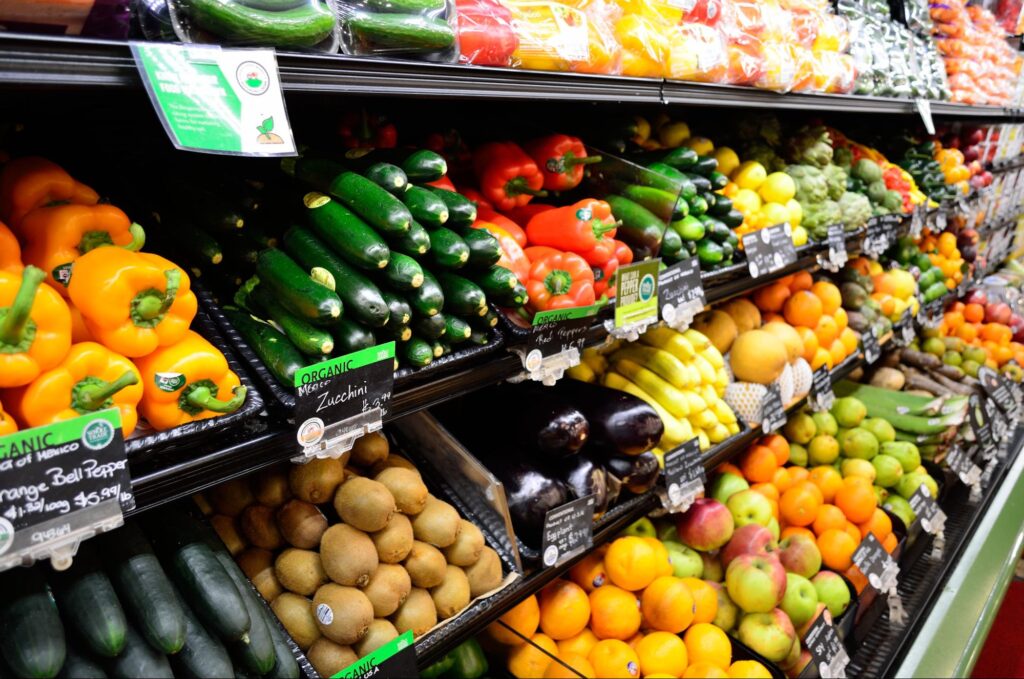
{"x": 531, "y": 493}
{"x": 638, "y": 473}
{"x": 619, "y": 422}
{"x": 584, "y": 477}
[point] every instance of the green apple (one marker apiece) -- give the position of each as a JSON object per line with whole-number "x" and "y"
{"x": 823, "y": 449}
{"x": 859, "y": 443}
{"x": 800, "y": 600}
{"x": 686, "y": 562}
{"x": 909, "y": 483}
{"x": 800, "y": 428}
{"x": 749, "y": 506}
{"x": 728, "y": 612}
{"x": 848, "y": 411}
{"x": 666, "y": 530}
{"x": 800, "y": 554}
{"x": 901, "y": 508}
{"x": 770, "y": 634}
{"x": 825, "y": 423}
{"x": 882, "y": 430}
{"x": 773, "y": 528}
{"x": 888, "y": 470}
{"x": 726, "y": 485}
{"x": 904, "y": 451}
{"x": 641, "y": 528}
{"x": 755, "y": 582}
{"x": 797, "y": 455}
{"x": 832, "y": 591}
{"x": 881, "y": 494}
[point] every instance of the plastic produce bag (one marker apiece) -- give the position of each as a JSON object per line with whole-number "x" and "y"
{"x": 696, "y": 52}
{"x": 644, "y": 45}
{"x": 284, "y": 24}
{"x": 90, "y": 18}
{"x": 416, "y": 29}
{"x": 780, "y": 67}
{"x": 486, "y": 35}
{"x": 555, "y": 36}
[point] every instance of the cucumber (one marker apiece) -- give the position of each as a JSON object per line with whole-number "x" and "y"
{"x": 419, "y": 166}
{"x": 415, "y": 242}
{"x": 671, "y": 244}
{"x": 688, "y": 228}
{"x": 515, "y": 298}
{"x": 256, "y": 653}
{"x": 496, "y": 281}
{"x": 664, "y": 204}
{"x": 484, "y": 323}
{"x": 383, "y": 211}
{"x": 345, "y": 233}
{"x": 428, "y": 298}
{"x": 388, "y": 177}
{"x": 143, "y": 587}
{"x": 87, "y": 599}
{"x": 200, "y": 247}
{"x": 704, "y": 166}
{"x": 718, "y": 181}
{"x": 461, "y": 210}
{"x": 399, "y": 310}
{"x": 396, "y": 332}
{"x": 484, "y": 249}
{"x": 426, "y": 207}
{"x": 417, "y": 352}
{"x": 297, "y": 291}
{"x": 732, "y": 218}
{"x": 461, "y": 295}
{"x": 285, "y": 665}
{"x": 447, "y": 249}
{"x": 640, "y": 227}
{"x": 139, "y": 660}
{"x": 406, "y": 6}
{"x": 273, "y": 5}
{"x": 430, "y": 327}
{"x": 202, "y": 656}
{"x": 682, "y": 158}
{"x": 78, "y": 665}
{"x": 403, "y": 273}
{"x": 302, "y": 26}
{"x": 702, "y": 184}
{"x": 278, "y": 354}
{"x": 362, "y": 298}
{"x": 31, "y": 633}
{"x": 457, "y": 330}
{"x": 404, "y": 31}
{"x": 350, "y": 336}
{"x": 307, "y": 338}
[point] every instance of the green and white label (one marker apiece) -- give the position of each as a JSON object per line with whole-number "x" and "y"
{"x": 397, "y": 658}
{"x": 636, "y": 299}
{"x": 216, "y": 100}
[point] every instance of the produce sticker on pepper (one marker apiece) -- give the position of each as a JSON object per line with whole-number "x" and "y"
{"x": 637, "y": 296}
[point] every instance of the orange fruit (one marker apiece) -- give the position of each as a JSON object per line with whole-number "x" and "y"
{"x": 589, "y": 573}
{"x": 828, "y": 481}
{"x": 759, "y": 464}
{"x": 848, "y": 336}
{"x": 705, "y": 599}
{"x": 781, "y": 481}
{"x": 836, "y": 547}
{"x": 729, "y": 468}
{"x": 879, "y": 524}
{"x": 798, "y": 474}
{"x": 529, "y": 661}
{"x": 829, "y": 295}
{"x": 829, "y": 516}
{"x": 770, "y": 490}
{"x": 890, "y": 542}
{"x": 841, "y": 318}
{"x": 578, "y": 645}
{"x": 579, "y": 666}
{"x": 705, "y": 670}
{"x": 974, "y": 313}
{"x": 826, "y": 331}
{"x": 856, "y": 578}
{"x": 771, "y": 297}
{"x": 662, "y": 653}
{"x": 707, "y": 643}
{"x": 668, "y": 605}
{"x": 779, "y": 446}
{"x": 614, "y": 613}
{"x": 802, "y": 308}
{"x": 801, "y": 281}
{"x": 564, "y": 609}
{"x": 967, "y": 332}
{"x": 853, "y": 531}
{"x": 524, "y": 618}
{"x": 631, "y": 563}
{"x": 769, "y": 316}
{"x": 790, "y": 531}
{"x": 800, "y": 504}
{"x": 614, "y": 659}
{"x": 810, "y": 341}
{"x": 953, "y": 319}
{"x": 748, "y": 669}
{"x": 635, "y": 639}
{"x": 857, "y": 500}
{"x": 661, "y": 553}
{"x": 838, "y": 351}
{"x": 821, "y": 357}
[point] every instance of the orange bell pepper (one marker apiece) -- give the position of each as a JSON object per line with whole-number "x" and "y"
{"x": 10, "y": 251}
{"x": 79, "y": 333}
{"x": 35, "y": 327}
{"x": 31, "y": 182}
{"x": 560, "y": 281}
{"x": 187, "y": 381}
{"x": 512, "y": 256}
{"x": 56, "y": 236}
{"x": 90, "y": 378}
{"x": 132, "y": 302}
{"x": 7, "y": 423}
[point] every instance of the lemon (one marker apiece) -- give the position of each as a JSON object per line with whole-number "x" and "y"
{"x": 727, "y": 159}
{"x": 796, "y": 212}
{"x": 778, "y": 187}
{"x": 702, "y": 145}
{"x": 749, "y": 175}
{"x": 774, "y": 213}
{"x": 746, "y": 201}
{"x": 799, "y": 236}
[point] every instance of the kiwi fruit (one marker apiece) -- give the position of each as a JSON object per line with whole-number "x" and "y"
{"x": 438, "y": 524}
{"x": 417, "y": 613}
{"x": 231, "y": 497}
{"x": 270, "y": 487}
{"x": 296, "y": 614}
{"x": 329, "y": 658}
{"x": 348, "y": 555}
{"x": 387, "y": 589}
{"x": 406, "y": 487}
{"x": 299, "y": 571}
{"x": 380, "y": 633}
{"x": 259, "y": 528}
{"x": 395, "y": 541}
{"x": 452, "y": 595}
{"x": 342, "y": 613}
{"x": 393, "y": 461}
{"x": 425, "y": 564}
{"x": 227, "y": 531}
{"x": 316, "y": 480}
{"x": 370, "y": 449}
{"x": 302, "y": 524}
{"x": 467, "y": 546}
{"x": 485, "y": 574}
{"x": 364, "y": 504}
{"x": 258, "y": 566}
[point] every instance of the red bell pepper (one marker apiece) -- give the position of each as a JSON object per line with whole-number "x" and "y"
{"x": 560, "y": 281}
{"x": 561, "y": 159}
{"x": 504, "y": 222}
{"x": 524, "y": 213}
{"x": 577, "y": 228}
{"x": 512, "y": 256}
{"x": 508, "y": 176}
{"x": 604, "y": 275}
{"x": 477, "y": 198}
{"x": 623, "y": 253}
{"x": 601, "y": 253}
{"x": 442, "y": 183}
{"x": 361, "y": 130}
{"x": 486, "y": 36}
{"x": 538, "y": 252}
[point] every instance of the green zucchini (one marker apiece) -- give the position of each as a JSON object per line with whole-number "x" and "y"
{"x": 396, "y": 332}
{"x": 428, "y": 298}
{"x": 440, "y": 348}
{"x": 461, "y": 295}
{"x": 200, "y": 247}
{"x": 429, "y": 327}
{"x": 479, "y": 337}
{"x": 447, "y": 249}
{"x": 664, "y": 204}
{"x": 213, "y": 213}
{"x": 486, "y": 322}
{"x": 379, "y": 208}
{"x": 388, "y": 177}
{"x": 420, "y": 166}
{"x": 139, "y": 660}
{"x": 350, "y": 336}
{"x": 31, "y": 633}
{"x": 404, "y": 31}
{"x": 90, "y": 606}
{"x": 257, "y": 652}
{"x": 272, "y": 347}
{"x": 496, "y": 281}
{"x": 671, "y": 244}
{"x": 361, "y": 297}
{"x": 307, "y": 338}
{"x": 426, "y": 207}
{"x": 202, "y": 656}
{"x": 640, "y": 227}
{"x": 297, "y": 291}
{"x": 273, "y": 5}
{"x": 704, "y": 166}
{"x": 457, "y": 330}
{"x": 515, "y": 298}
{"x": 407, "y": 6}
{"x": 702, "y": 184}
{"x": 239, "y": 248}
{"x": 399, "y": 310}
{"x": 345, "y": 233}
{"x": 403, "y": 273}
{"x": 285, "y": 665}
{"x": 415, "y": 242}
{"x": 143, "y": 587}
{"x": 302, "y": 26}
{"x": 461, "y": 210}
{"x": 417, "y": 352}
{"x": 484, "y": 249}
{"x": 78, "y": 665}
{"x": 732, "y": 218}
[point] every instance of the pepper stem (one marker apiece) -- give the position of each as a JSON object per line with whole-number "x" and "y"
{"x": 569, "y": 160}
{"x": 138, "y": 235}
{"x": 93, "y": 395}
{"x": 600, "y": 228}
{"x": 518, "y": 186}
{"x": 202, "y": 397}
{"x": 558, "y": 282}
{"x": 12, "y": 328}
{"x": 149, "y": 306}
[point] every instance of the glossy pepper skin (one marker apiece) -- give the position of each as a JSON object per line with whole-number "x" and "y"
{"x": 7, "y": 423}
{"x": 361, "y": 130}
{"x": 90, "y": 378}
{"x": 560, "y": 281}
{"x": 10, "y": 251}
{"x": 32, "y": 182}
{"x": 486, "y": 36}
{"x": 512, "y": 256}
{"x": 561, "y": 160}
{"x": 187, "y": 381}
{"x": 508, "y": 176}
{"x": 57, "y": 236}
{"x": 35, "y": 327}
{"x": 132, "y": 302}
{"x": 578, "y": 228}
{"x": 511, "y": 227}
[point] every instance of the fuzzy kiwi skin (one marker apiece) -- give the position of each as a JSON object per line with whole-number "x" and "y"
{"x": 417, "y": 613}
{"x": 406, "y": 487}
{"x": 299, "y": 571}
{"x": 231, "y": 497}
{"x": 394, "y": 542}
{"x": 438, "y": 524}
{"x": 388, "y": 588}
{"x": 380, "y": 633}
{"x": 370, "y": 449}
{"x": 485, "y": 575}
{"x": 329, "y": 658}
{"x": 316, "y": 480}
{"x": 270, "y": 487}
{"x": 348, "y": 555}
{"x": 467, "y": 547}
{"x": 258, "y": 566}
{"x": 259, "y": 527}
{"x": 452, "y": 595}
{"x": 364, "y": 504}
{"x": 343, "y": 614}
{"x": 302, "y": 524}
{"x": 296, "y": 614}
{"x": 425, "y": 565}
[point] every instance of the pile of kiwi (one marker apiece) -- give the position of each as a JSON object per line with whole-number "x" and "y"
{"x": 353, "y": 552}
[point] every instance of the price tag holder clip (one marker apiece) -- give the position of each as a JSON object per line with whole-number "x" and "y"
{"x": 556, "y": 342}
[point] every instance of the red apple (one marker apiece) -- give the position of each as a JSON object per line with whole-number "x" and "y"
{"x": 750, "y": 539}
{"x": 756, "y": 582}
{"x": 706, "y": 525}
{"x": 800, "y": 554}
{"x": 976, "y": 297}
{"x": 1017, "y": 326}
{"x": 803, "y": 661}
{"x": 997, "y": 312}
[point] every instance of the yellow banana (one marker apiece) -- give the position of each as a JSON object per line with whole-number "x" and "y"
{"x": 707, "y": 372}
{"x": 582, "y": 372}
{"x": 674, "y": 433}
{"x": 695, "y": 402}
{"x": 708, "y": 393}
{"x": 668, "y": 396}
{"x": 597, "y": 362}
{"x": 733, "y": 427}
{"x": 704, "y": 419}
{"x": 698, "y": 340}
{"x": 714, "y": 357}
{"x": 723, "y": 412}
{"x": 658, "y": 361}
{"x": 718, "y": 433}
{"x": 671, "y": 341}
{"x": 704, "y": 440}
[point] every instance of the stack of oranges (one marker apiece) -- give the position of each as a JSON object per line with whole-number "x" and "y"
{"x": 815, "y": 310}
{"x": 977, "y": 328}
{"x": 621, "y": 613}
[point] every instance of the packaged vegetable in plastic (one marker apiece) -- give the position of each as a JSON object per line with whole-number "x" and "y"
{"x": 605, "y": 50}
{"x": 552, "y": 36}
{"x": 419, "y": 29}
{"x": 746, "y": 61}
{"x": 486, "y": 36}
{"x": 779, "y": 67}
{"x": 286, "y": 24}
{"x": 696, "y": 52}
{"x": 644, "y": 46}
